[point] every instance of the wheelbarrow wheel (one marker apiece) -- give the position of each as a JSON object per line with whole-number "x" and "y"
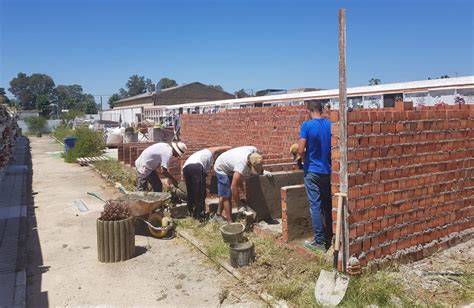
{"x": 158, "y": 220}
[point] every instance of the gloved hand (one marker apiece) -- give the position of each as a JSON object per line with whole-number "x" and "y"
{"x": 268, "y": 175}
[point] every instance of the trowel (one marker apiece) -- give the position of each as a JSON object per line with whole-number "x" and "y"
{"x": 331, "y": 286}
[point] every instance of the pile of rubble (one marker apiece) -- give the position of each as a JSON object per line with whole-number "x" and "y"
{"x": 9, "y": 132}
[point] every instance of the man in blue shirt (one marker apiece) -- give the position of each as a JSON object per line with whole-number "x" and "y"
{"x": 314, "y": 146}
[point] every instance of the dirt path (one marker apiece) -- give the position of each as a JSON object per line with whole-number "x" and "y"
{"x": 62, "y": 255}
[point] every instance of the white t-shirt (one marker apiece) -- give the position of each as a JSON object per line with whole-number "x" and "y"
{"x": 234, "y": 160}
{"x": 203, "y": 157}
{"x": 154, "y": 156}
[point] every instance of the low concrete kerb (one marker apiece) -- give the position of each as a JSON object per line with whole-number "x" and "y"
{"x": 267, "y": 298}
{"x": 20, "y": 289}
{"x": 57, "y": 140}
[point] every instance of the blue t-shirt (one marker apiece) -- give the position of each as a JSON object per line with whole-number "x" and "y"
{"x": 317, "y": 133}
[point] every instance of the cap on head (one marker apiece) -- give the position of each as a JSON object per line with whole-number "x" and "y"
{"x": 294, "y": 151}
{"x": 179, "y": 147}
{"x": 256, "y": 161}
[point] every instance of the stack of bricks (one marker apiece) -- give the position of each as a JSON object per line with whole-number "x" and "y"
{"x": 411, "y": 180}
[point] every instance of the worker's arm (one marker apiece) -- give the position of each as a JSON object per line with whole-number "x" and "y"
{"x": 234, "y": 187}
{"x": 165, "y": 173}
{"x": 301, "y": 147}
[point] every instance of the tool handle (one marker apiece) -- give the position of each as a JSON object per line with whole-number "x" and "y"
{"x": 337, "y": 241}
{"x": 97, "y": 196}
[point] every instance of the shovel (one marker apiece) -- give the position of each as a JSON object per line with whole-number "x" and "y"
{"x": 331, "y": 286}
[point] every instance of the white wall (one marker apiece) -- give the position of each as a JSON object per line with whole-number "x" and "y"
{"x": 51, "y": 124}
{"x": 126, "y": 115}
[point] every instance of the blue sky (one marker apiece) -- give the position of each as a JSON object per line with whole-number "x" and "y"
{"x": 237, "y": 44}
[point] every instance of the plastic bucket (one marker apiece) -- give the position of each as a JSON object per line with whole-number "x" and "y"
{"x": 69, "y": 143}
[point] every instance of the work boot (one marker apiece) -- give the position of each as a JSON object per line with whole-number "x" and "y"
{"x": 313, "y": 246}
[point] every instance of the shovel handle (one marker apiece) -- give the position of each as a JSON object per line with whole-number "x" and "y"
{"x": 337, "y": 241}
{"x": 97, "y": 196}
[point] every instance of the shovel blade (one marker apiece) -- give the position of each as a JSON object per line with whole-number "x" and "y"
{"x": 330, "y": 288}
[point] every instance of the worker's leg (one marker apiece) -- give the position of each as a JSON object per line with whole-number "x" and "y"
{"x": 142, "y": 183}
{"x": 189, "y": 177}
{"x": 326, "y": 208}
{"x": 155, "y": 182}
{"x": 228, "y": 209}
{"x": 224, "y": 193}
{"x": 313, "y": 190}
{"x": 201, "y": 193}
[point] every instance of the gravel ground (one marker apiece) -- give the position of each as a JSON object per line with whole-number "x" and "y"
{"x": 447, "y": 276}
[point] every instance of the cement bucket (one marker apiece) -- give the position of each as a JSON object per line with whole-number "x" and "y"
{"x": 241, "y": 254}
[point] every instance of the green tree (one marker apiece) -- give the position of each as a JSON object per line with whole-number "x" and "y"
{"x": 241, "y": 93}
{"x": 166, "y": 83}
{"x": 27, "y": 89}
{"x": 69, "y": 116}
{"x": 136, "y": 85}
{"x": 36, "y": 124}
{"x": 3, "y": 97}
{"x": 374, "y": 81}
{"x": 218, "y": 87}
{"x": 43, "y": 105}
{"x": 68, "y": 96}
{"x": 89, "y": 105}
{"x": 115, "y": 97}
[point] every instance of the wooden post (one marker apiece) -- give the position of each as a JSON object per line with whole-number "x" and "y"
{"x": 343, "y": 129}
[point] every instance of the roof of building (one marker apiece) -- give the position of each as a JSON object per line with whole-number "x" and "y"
{"x": 187, "y": 93}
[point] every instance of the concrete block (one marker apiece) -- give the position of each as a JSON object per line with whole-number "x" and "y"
{"x": 211, "y": 205}
{"x": 263, "y": 193}
{"x": 297, "y": 224}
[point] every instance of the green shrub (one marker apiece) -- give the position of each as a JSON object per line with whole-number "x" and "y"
{"x": 89, "y": 143}
{"x": 36, "y": 124}
{"x": 63, "y": 131}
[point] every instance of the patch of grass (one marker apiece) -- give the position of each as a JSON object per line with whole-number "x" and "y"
{"x": 209, "y": 235}
{"x": 115, "y": 172}
{"x": 381, "y": 288}
{"x": 287, "y": 275}
{"x": 466, "y": 291}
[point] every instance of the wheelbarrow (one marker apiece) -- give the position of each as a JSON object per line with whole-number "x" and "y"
{"x": 149, "y": 208}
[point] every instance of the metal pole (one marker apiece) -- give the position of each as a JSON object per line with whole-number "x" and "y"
{"x": 343, "y": 130}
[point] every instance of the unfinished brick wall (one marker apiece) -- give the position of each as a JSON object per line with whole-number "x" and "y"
{"x": 411, "y": 180}
{"x": 270, "y": 129}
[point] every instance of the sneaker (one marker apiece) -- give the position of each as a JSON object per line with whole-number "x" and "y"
{"x": 242, "y": 209}
{"x": 218, "y": 220}
{"x": 313, "y": 246}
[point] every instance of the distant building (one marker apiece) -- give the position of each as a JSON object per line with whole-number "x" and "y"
{"x": 129, "y": 110}
{"x": 421, "y": 93}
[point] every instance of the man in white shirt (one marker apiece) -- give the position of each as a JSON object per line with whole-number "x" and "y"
{"x": 154, "y": 161}
{"x": 230, "y": 167}
{"x": 195, "y": 171}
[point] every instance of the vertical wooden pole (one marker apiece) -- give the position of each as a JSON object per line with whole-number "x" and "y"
{"x": 343, "y": 130}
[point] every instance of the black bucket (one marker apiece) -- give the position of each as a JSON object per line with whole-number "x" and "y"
{"x": 241, "y": 254}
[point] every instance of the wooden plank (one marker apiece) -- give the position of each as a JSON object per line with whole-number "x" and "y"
{"x": 343, "y": 129}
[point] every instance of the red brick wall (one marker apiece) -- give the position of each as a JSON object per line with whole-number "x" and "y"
{"x": 411, "y": 180}
{"x": 270, "y": 129}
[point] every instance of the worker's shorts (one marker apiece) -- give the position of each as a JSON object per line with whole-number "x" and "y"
{"x": 223, "y": 185}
